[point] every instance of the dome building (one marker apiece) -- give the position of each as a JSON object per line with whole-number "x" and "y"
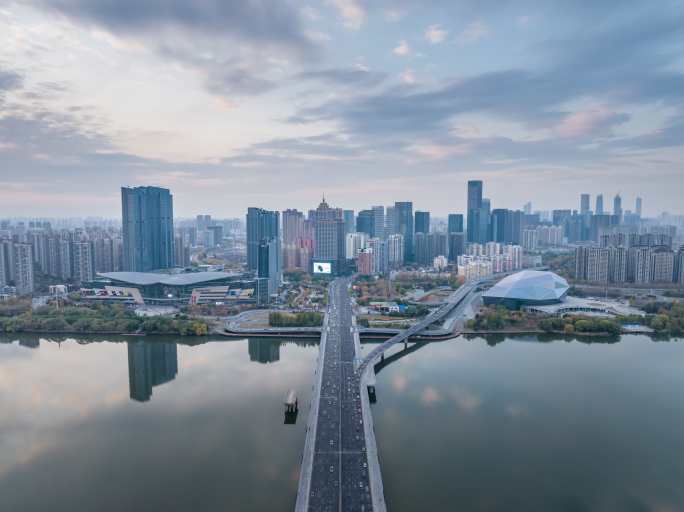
{"x": 527, "y": 288}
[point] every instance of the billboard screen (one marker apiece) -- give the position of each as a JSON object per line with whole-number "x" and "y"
{"x": 322, "y": 267}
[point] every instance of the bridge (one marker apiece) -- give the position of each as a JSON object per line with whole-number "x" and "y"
{"x": 456, "y": 299}
{"x": 340, "y": 469}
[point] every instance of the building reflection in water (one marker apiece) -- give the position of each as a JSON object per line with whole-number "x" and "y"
{"x": 150, "y": 364}
{"x": 264, "y": 350}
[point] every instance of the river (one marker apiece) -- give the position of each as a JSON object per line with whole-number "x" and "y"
{"x": 494, "y": 424}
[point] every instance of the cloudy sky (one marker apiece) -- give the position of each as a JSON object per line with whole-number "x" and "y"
{"x": 273, "y": 103}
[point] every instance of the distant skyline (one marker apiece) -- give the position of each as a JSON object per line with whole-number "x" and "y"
{"x": 275, "y": 103}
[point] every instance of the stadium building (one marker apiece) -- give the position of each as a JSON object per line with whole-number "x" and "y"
{"x": 527, "y": 288}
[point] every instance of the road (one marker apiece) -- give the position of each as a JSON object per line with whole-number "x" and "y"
{"x": 335, "y": 472}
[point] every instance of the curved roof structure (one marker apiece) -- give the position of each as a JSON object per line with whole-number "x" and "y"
{"x": 150, "y": 278}
{"x": 528, "y": 287}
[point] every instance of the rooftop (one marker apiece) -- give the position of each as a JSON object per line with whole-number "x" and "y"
{"x": 150, "y": 278}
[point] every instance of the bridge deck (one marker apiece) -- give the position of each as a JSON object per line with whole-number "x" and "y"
{"x": 337, "y": 471}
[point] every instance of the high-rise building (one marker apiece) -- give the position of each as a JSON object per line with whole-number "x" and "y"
{"x": 456, "y": 245}
{"x": 422, "y": 222}
{"x": 599, "y": 204}
{"x": 486, "y": 221}
{"x": 379, "y": 222}
{"x": 83, "y": 264}
{"x": 147, "y": 228}
{"x": 474, "y": 210}
{"x": 365, "y": 222}
{"x": 293, "y": 232}
{"x": 22, "y": 261}
{"x": 329, "y": 236}
{"x": 268, "y": 264}
{"x": 261, "y": 225}
{"x": 455, "y": 223}
{"x": 617, "y": 206}
{"x": 354, "y": 243}
{"x": 395, "y": 250}
{"x": 527, "y": 208}
{"x": 638, "y": 207}
{"x": 404, "y": 226}
{"x": 349, "y": 221}
{"x": 203, "y": 222}
{"x": 390, "y": 221}
{"x": 380, "y": 255}
{"x": 585, "y": 204}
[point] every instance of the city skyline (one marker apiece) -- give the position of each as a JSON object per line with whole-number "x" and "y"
{"x": 368, "y": 103}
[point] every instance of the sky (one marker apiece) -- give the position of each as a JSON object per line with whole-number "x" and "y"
{"x": 276, "y": 103}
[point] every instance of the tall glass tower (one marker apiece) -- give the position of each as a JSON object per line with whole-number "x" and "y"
{"x": 147, "y": 223}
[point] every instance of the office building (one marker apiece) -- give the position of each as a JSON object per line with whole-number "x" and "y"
{"x": 349, "y": 221}
{"x": 455, "y": 223}
{"x": 147, "y": 225}
{"x": 379, "y": 222}
{"x": 585, "y": 204}
{"x": 456, "y": 243}
{"x": 403, "y": 212}
{"x": 293, "y": 232}
{"x": 365, "y": 222}
{"x": 261, "y": 225}
{"x": 599, "y": 205}
{"x": 422, "y": 222}
{"x": 638, "y": 207}
{"x": 329, "y": 236}
{"x": 617, "y": 206}
{"x": 474, "y": 211}
{"x": 268, "y": 266}
{"x": 380, "y": 255}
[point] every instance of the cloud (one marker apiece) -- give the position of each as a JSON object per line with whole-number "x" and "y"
{"x": 344, "y": 76}
{"x": 466, "y": 400}
{"x": 352, "y": 12}
{"x": 582, "y": 123}
{"x": 10, "y": 80}
{"x": 408, "y": 77}
{"x": 435, "y": 34}
{"x": 472, "y": 33}
{"x": 402, "y": 49}
{"x": 270, "y": 21}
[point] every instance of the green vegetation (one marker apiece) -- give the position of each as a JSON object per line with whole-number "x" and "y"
{"x": 581, "y": 324}
{"x": 99, "y": 318}
{"x": 303, "y": 319}
{"x": 664, "y": 317}
{"x": 363, "y": 322}
{"x": 499, "y": 318}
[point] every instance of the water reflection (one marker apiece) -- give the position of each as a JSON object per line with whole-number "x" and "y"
{"x": 149, "y": 365}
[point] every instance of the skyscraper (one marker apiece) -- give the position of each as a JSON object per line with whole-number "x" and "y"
{"x": 329, "y": 236}
{"x": 349, "y": 221}
{"x": 261, "y": 225}
{"x": 379, "y": 222}
{"x": 365, "y": 222}
{"x": 147, "y": 224}
{"x": 638, "y": 207}
{"x": 403, "y": 212}
{"x": 455, "y": 223}
{"x": 599, "y": 205}
{"x": 293, "y": 231}
{"x": 422, "y": 222}
{"x": 474, "y": 210}
{"x": 585, "y": 202}
{"x": 617, "y": 206}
